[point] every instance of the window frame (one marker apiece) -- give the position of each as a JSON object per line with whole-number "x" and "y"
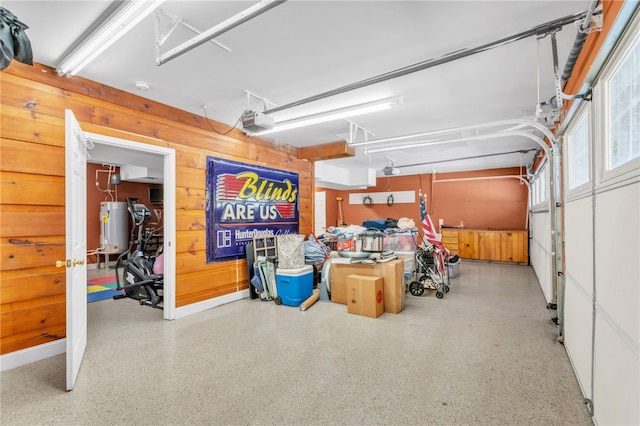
{"x": 602, "y": 91}
{"x": 539, "y": 192}
{"x": 583, "y": 115}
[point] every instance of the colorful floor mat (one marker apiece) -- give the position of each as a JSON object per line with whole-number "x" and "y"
{"x": 101, "y": 289}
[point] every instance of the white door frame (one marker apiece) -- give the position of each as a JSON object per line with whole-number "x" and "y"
{"x": 320, "y": 212}
{"x": 169, "y": 227}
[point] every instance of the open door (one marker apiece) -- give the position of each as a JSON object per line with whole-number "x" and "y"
{"x": 76, "y": 245}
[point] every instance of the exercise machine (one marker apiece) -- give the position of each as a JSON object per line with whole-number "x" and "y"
{"x": 138, "y": 279}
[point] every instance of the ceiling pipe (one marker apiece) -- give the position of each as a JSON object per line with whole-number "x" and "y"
{"x": 516, "y": 122}
{"x": 544, "y": 28}
{"x": 520, "y": 178}
{"x": 496, "y": 154}
{"x": 547, "y": 149}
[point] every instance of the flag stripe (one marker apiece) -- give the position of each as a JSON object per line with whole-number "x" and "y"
{"x": 430, "y": 235}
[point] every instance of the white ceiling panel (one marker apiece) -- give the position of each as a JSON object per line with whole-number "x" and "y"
{"x": 301, "y": 49}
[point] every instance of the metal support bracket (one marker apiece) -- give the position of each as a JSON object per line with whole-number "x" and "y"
{"x": 228, "y": 24}
{"x": 264, "y": 100}
{"x": 594, "y": 21}
{"x": 163, "y": 30}
{"x": 560, "y": 95}
{"x": 354, "y": 130}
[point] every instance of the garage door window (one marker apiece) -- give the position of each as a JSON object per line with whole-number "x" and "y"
{"x": 578, "y": 152}
{"x": 623, "y": 96}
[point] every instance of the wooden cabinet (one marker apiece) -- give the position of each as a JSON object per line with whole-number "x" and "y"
{"x": 514, "y": 246}
{"x": 450, "y": 240}
{"x": 492, "y": 245}
{"x": 468, "y": 244}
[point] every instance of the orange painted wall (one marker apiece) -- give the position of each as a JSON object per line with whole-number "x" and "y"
{"x": 95, "y": 197}
{"x": 331, "y": 205}
{"x": 480, "y": 204}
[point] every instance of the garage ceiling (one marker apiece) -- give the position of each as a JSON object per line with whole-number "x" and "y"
{"x": 300, "y": 49}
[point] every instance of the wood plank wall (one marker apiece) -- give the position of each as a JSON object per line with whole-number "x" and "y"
{"x": 32, "y": 194}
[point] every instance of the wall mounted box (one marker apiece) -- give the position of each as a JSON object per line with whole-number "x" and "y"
{"x": 365, "y": 295}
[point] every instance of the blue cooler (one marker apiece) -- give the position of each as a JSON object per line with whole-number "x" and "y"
{"x": 294, "y": 286}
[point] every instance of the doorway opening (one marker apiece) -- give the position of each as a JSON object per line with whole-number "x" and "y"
{"x": 147, "y": 168}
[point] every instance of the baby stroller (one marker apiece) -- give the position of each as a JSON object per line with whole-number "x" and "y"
{"x": 430, "y": 273}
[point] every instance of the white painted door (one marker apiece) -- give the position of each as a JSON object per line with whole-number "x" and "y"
{"x": 76, "y": 247}
{"x": 320, "y": 213}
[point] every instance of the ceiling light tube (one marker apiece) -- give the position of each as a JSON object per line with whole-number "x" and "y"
{"x": 105, "y": 34}
{"x": 331, "y": 115}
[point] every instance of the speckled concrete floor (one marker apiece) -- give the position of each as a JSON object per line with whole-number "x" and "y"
{"x": 484, "y": 355}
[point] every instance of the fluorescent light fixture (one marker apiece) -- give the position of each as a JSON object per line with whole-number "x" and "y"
{"x": 336, "y": 114}
{"x": 105, "y": 34}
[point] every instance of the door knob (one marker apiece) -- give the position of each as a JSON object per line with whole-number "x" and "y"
{"x": 63, "y": 263}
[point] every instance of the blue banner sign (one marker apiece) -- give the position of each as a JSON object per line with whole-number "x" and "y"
{"x": 245, "y": 201}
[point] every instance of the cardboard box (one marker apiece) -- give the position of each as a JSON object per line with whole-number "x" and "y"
{"x": 392, "y": 273}
{"x": 365, "y": 295}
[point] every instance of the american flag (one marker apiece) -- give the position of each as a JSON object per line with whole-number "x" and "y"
{"x": 430, "y": 235}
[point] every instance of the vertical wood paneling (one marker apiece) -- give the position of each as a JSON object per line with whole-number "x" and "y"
{"x": 502, "y": 246}
{"x": 468, "y": 244}
{"x": 506, "y": 246}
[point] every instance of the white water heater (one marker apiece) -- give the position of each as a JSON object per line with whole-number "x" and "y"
{"x": 114, "y": 226}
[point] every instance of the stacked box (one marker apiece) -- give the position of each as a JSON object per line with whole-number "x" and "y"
{"x": 391, "y": 271}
